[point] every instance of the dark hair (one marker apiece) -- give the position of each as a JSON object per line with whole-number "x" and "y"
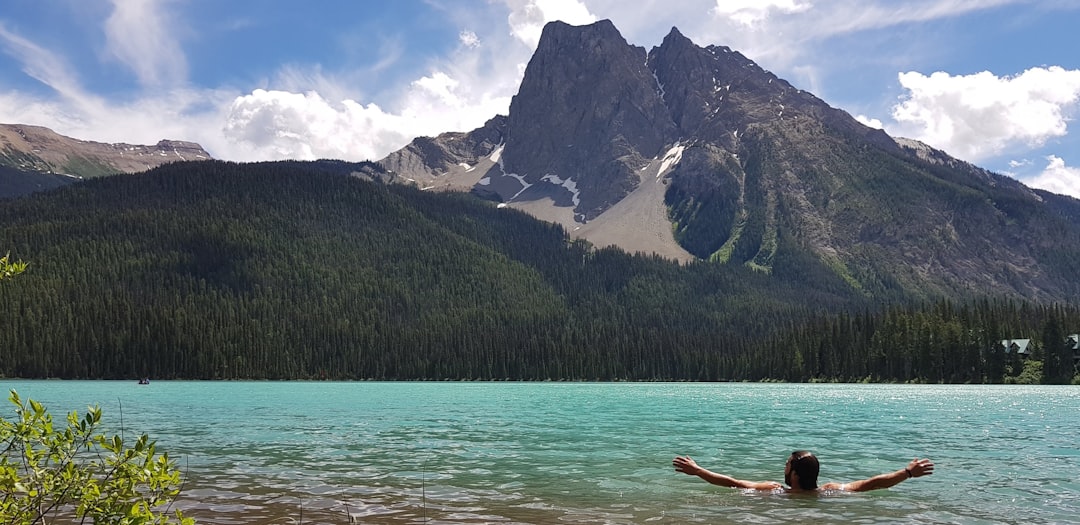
{"x": 806, "y": 466}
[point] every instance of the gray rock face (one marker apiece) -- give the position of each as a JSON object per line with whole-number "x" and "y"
{"x": 698, "y": 153}
{"x": 588, "y": 110}
{"x": 427, "y": 161}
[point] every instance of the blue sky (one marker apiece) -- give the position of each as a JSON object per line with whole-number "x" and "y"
{"x": 993, "y": 82}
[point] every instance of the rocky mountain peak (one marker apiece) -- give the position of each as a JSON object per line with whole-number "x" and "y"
{"x": 698, "y": 153}
{"x": 588, "y": 111}
{"x": 559, "y": 34}
{"x": 676, "y": 42}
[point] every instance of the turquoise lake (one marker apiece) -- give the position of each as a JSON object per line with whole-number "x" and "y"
{"x": 395, "y": 453}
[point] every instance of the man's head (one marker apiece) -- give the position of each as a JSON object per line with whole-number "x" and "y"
{"x": 802, "y": 470}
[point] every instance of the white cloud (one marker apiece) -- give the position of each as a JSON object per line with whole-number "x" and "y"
{"x": 751, "y": 12}
{"x": 45, "y": 67}
{"x": 468, "y": 39}
{"x": 176, "y": 113}
{"x": 458, "y": 94}
{"x": 978, "y": 116}
{"x": 871, "y": 122}
{"x": 1057, "y": 178}
{"x": 788, "y": 36}
{"x": 140, "y": 34}
{"x": 303, "y": 112}
{"x": 181, "y": 114}
{"x": 280, "y": 124}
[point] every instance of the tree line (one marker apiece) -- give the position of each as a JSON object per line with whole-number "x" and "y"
{"x": 290, "y": 270}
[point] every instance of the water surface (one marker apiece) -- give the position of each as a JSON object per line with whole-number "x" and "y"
{"x": 322, "y": 452}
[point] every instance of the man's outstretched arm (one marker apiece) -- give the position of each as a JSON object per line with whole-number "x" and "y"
{"x": 687, "y": 466}
{"x": 917, "y": 468}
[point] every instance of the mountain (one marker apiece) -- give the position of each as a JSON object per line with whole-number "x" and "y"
{"x": 697, "y": 153}
{"x": 308, "y": 269}
{"x": 35, "y": 158}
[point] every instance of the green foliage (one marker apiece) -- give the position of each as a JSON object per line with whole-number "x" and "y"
{"x": 1030, "y": 374}
{"x": 293, "y": 270}
{"x": 704, "y": 191}
{"x": 49, "y": 473}
{"x": 1057, "y": 356}
{"x": 9, "y": 156}
{"x": 10, "y": 269}
{"x": 882, "y": 214}
{"x": 285, "y": 270}
{"x": 935, "y": 343}
{"x": 87, "y": 167}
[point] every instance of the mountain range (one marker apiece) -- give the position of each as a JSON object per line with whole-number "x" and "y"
{"x": 788, "y": 242}
{"x": 697, "y": 153}
{"x": 34, "y": 158}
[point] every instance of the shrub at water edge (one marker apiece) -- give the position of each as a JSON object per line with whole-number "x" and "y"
{"x": 49, "y": 473}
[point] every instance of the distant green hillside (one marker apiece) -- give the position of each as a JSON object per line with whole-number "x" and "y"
{"x": 305, "y": 270}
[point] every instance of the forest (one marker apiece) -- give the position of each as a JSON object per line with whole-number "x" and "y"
{"x": 305, "y": 270}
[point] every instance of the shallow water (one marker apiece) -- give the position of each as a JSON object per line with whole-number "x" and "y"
{"x": 315, "y": 452}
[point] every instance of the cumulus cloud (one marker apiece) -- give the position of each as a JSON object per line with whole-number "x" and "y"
{"x": 138, "y": 34}
{"x": 1058, "y": 178}
{"x": 978, "y": 116}
{"x": 458, "y": 94}
{"x": 282, "y": 124}
{"x": 303, "y": 112}
{"x": 751, "y": 12}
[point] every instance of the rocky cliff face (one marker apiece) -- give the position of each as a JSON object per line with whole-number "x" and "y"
{"x": 35, "y": 150}
{"x": 587, "y": 117}
{"x": 451, "y": 160}
{"x": 698, "y": 153}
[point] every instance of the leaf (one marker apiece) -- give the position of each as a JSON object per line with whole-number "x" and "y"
{"x": 64, "y": 470}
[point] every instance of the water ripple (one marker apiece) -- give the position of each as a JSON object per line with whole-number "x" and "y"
{"x": 271, "y": 452}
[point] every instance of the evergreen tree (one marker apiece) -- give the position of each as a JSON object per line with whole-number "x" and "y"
{"x": 1057, "y": 357}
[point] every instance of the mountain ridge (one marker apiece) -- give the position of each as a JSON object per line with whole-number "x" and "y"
{"x": 37, "y": 158}
{"x": 746, "y": 169}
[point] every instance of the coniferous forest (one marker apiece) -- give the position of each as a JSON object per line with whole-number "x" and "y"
{"x": 291, "y": 270}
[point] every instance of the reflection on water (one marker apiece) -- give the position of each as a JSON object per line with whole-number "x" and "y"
{"x": 296, "y": 452}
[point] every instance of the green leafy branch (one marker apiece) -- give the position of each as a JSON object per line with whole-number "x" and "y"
{"x": 48, "y": 473}
{"x": 10, "y": 269}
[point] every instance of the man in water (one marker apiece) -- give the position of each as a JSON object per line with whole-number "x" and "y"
{"x": 801, "y": 473}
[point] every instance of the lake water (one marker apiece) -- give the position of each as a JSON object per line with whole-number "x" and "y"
{"x": 313, "y": 452}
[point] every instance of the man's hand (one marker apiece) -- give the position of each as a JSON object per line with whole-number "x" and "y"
{"x": 920, "y": 467}
{"x": 686, "y": 465}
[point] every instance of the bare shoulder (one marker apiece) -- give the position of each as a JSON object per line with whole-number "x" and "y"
{"x": 832, "y": 485}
